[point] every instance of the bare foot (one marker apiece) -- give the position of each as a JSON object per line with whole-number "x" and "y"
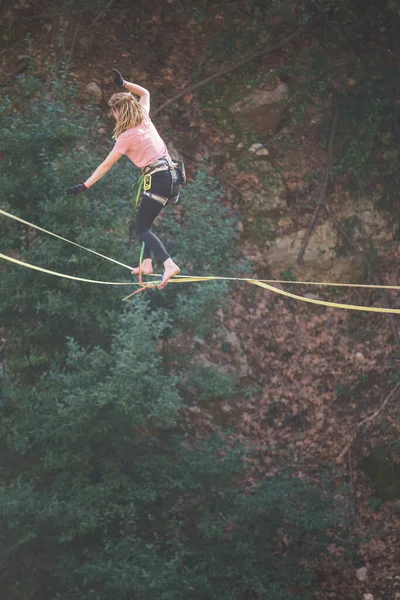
{"x": 147, "y": 268}
{"x": 171, "y": 269}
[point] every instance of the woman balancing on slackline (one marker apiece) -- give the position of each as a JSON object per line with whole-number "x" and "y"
{"x": 137, "y": 137}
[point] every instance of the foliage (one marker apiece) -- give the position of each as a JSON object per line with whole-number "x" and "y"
{"x": 103, "y": 494}
{"x": 348, "y": 70}
{"x": 394, "y": 5}
{"x": 369, "y": 124}
{"x": 41, "y": 310}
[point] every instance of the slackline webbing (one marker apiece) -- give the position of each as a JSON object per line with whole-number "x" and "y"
{"x": 264, "y": 283}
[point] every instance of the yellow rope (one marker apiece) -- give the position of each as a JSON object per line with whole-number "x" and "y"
{"x": 323, "y": 302}
{"x": 25, "y": 264}
{"x": 193, "y": 279}
{"x": 10, "y": 216}
{"x": 188, "y": 279}
{"x": 197, "y": 279}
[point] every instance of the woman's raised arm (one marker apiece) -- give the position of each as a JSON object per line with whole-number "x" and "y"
{"x": 138, "y": 90}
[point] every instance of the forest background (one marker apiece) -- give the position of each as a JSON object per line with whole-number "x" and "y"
{"x": 213, "y": 440}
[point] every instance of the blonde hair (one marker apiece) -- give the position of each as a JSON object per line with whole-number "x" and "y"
{"x": 129, "y": 113}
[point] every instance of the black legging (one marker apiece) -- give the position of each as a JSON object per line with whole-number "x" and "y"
{"x": 149, "y": 209}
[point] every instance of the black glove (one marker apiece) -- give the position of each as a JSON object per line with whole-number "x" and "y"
{"x": 118, "y": 79}
{"x": 76, "y": 189}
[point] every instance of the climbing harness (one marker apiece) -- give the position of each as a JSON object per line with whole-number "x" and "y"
{"x": 264, "y": 283}
{"x": 178, "y": 178}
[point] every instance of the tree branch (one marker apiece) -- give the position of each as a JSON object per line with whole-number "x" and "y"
{"x": 73, "y": 42}
{"x": 352, "y": 493}
{"x": 367, "y": 421}
{"x": 239, "y": 64}
{"x": 337, "y": 30}
{"x": 322, "y": 198}
{"x": 102, "y": 13}
{"x": 323, "y": 202}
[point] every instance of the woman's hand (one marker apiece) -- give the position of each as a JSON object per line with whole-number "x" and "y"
{"x": 76, "y": 189}
{"x": 118, "y": 79}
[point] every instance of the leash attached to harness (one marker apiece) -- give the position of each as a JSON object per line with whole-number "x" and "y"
{"x": 143, "y": 285}
{"x": 140, "y": 185}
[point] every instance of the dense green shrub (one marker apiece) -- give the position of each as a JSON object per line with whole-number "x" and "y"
{"x": 103, "y": 495}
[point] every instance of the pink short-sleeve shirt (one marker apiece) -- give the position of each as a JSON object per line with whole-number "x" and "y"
{"x": 142, "y": 144}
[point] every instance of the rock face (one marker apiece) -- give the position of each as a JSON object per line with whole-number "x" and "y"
{"x": 369, "y": 223}
{"x": 93, "y": 92}
{"x": 320, "y": 260}
{"x": 324, "y": 258}
{"x": 262, "y": 110}
{"x": 259, "y": 150}
{"x": 269, "y": 196}
{"x": 362, "y": 574}
{"x": 272, "y": 196}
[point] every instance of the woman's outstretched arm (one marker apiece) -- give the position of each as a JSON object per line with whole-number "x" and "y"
{"x": 101, "y": 170}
